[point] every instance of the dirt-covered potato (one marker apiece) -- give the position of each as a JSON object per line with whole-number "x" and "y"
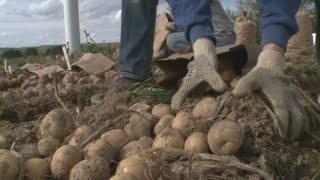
{"x": 9, "y": 165}
{"x": 138, "y": 127}
{"x": 101, "y": 148}
{"x": 116, "y": 137}
{"x": 25, "y": 85}
{"x": 206, "y": 108}
{"x": 228, "y": 74}
{"x": 140, "y": 107}
{"x": 63, "y": 161}
{"x": 98, "y": 81}
{"x": 197, "y": 142}
{"x": 225, "y": 137}
{"x": 135, "y": 147}
{"x": 135, "y": 165}
{"x": 5, "y": 142}
{"x": 163, "y": 123}
{"x": 68, "y": 78}
{"x": 184, "y": 123}
{"x": 68, "y": 87}
{"x": 28, "y": 151}
{"x": 47, "y": 146}
{"x": 81, "y": 133}
{"x": 57, "y": 124}
{"x": 36, "y": 168}
{"x": 161, "y": 110}
{"x": 123, "y": 176}
{"x": 93, "y": 168}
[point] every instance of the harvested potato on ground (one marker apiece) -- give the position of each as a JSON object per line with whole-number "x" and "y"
{"x": 63, "y": 161}
{"x": 68, "y": 78}
{"x": 225, "y": 138}
{"x": 161, "y": 110}
{"x": 228, "y": 74}
{"x": 116, "y": 137}
{"x": 169, "y": 138}
{"x": 28, "y": 151}
{"x": 184, "y": 123}
{"x": 36, "y": 168}
{"x": 135, "y": 165}
{"x": 81, "y": 133}
{"x": 9, "y": 165}
{"x": 138, "y": 127}
{"x": 98, "y": 81}
{"x": 5, "y": 142}
{"x": 197, "y": 142}
{"x": 47, "y": 146}
{"x": 101, "y": 148}
{"x": 25, "y": 85}
{"x": 57, "y": 124}
{"x": 140, "y": 107}
{"x": 206, "y": 108}
{"x": 163, "y": 123}
{"x": 135, "y": 147}
{"x": 123, "y": 176}
{"x": 93, "y": 168}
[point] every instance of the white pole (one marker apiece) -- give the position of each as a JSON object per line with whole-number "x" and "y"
{"x": 72, "y": 27}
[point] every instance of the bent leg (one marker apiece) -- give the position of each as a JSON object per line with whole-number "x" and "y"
{"x": 178, "y": 43}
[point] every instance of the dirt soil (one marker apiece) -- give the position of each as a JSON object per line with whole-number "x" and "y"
{"x": 262, "y": 148}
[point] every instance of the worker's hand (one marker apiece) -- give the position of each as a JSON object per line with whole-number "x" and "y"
{"x": 268, "y": 77}
{"x": 201, "y": 69}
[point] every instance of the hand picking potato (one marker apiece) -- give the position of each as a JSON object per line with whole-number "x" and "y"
{"x": 101, "y": 148}
{"x": 163, "y": 123}
{"x": 9, "y": 165}
{"x": 81, "y": 133}
{"x": 93, "y": 168}
{"x": 225, "y": 138}
{"x": 57, "y": 124}
{"x": 116, "y": 137}
{"x": 63, "y": 161}
{"x": 197, "y": 142}
{"x": 184, "y": 123}
{"x": 206, "y": 108}
{"x": 161, "y": 110}
{"x": 36, "y": 168}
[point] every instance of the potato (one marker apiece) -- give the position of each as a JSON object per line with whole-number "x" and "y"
{"x": 63, "y": 160}
{"x": 116, "y": 137}
{"x": 28, "y": 93}
{"x": 93, "y": 168}
{"x": 41, "y": 86}
{"x": 140, "y": 107}
{"x": 169, "y": 138}
{"x": 206, "y": 108}
{"x": 9, "y": 165}
{"x": 161, "y": 110}
{"x": 225, "y": 138}
{"x": 135, "y": 147}
{"x": 135, "y": 165}
{"x": 43, "y": 79}
{"x": 5, "y": 142}
{"x": 197, "y": 142}
{"x": 138, "y": 127}
{"x": 68, "y": 87}
{"x": 25, "y": 85}
{"x": 22, "y": 77}
{"x": 68, "y": 78}
{"x": 82, "y": 81}
{"x": 163, "y": 123}
{"x": 101, "y": 148}
{"x": 28, "y": 151}
{"x": 123, "y": 176}
{"x": 81, "y": 133}
{"x": 57, "y": 124}
{"x": 34, "y": 83}
{"x": 43, "y": 92}
{"x": 36, "y": 168}
{"x": 184, "y": 123}
{"x": 98, "y": 81}
{"x": 47, "y": 146}
{"x": 228, "y": 74}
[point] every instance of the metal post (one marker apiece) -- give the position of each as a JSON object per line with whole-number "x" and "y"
{"x": 72, "y": 27}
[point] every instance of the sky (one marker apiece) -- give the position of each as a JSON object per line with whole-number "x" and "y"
{"x": 25, "y": 23}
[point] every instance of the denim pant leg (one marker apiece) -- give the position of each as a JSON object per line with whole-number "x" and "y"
{"x": 177, "y": 42}
{"x": 137, "y": 34}
{"x": 194, "y": 16}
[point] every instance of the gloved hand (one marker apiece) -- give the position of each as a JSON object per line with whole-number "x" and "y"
{"x": 201, "y": 69}
{"x": 268, "y": 76}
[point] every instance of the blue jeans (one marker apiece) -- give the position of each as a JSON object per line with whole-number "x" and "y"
{"x": 178, "y": 43}
{"x": 138, "y": 23}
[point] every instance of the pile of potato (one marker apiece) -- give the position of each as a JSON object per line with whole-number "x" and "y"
{"x": 150, "y": 127}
